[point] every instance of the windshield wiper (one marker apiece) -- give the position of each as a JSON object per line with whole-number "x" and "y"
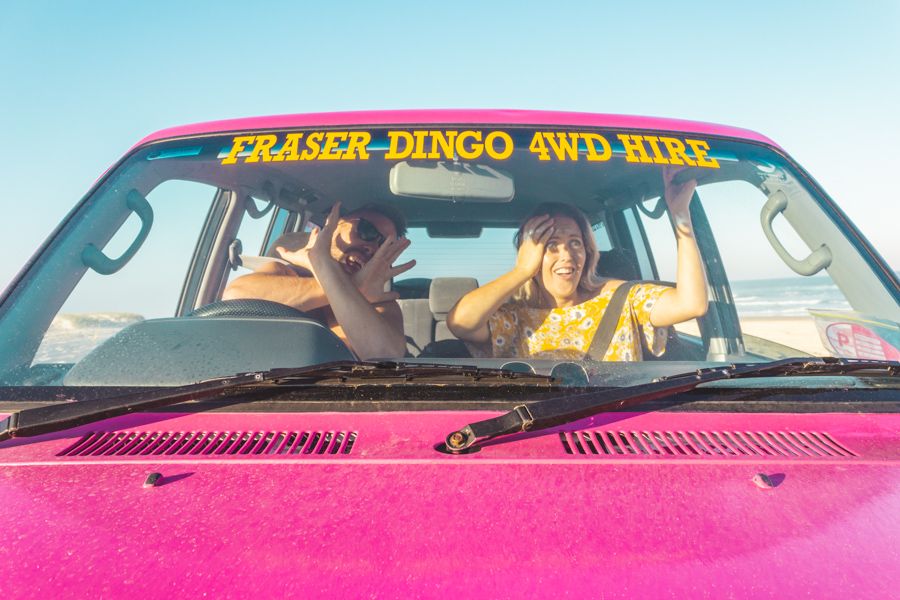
{"x": 57, "y": 417}
{"x": 551, "y": 412}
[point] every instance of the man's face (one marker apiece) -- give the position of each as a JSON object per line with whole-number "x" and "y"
{"x": 358, "y": 236}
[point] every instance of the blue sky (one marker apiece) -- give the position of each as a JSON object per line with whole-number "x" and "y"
{"x": 83, "y": 81}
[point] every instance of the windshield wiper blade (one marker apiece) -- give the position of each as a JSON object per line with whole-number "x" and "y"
{"x": 551, "y": 412}
{"x": 57, "y": 417}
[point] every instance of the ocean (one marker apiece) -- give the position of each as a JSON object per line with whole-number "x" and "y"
{"x": 73, "y": 335}
{"x": 789, "y": 297}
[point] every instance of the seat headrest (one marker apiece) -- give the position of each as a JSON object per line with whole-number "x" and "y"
{"x": 415, "y": 287}
{"x": 618, "y": 263}
{"x": 446, "y": 291}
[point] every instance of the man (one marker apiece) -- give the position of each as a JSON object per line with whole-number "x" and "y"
{"x": 338, "y": 274}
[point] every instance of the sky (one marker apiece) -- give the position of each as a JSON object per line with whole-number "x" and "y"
{"x": 82, "y": 82}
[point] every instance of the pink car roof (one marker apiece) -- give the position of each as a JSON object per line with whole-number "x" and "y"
{"x": 456, "y": 116}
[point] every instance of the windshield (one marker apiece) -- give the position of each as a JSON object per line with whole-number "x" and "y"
{"x": 625, "y": 254}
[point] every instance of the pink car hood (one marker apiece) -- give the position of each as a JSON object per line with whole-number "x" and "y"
{"x": 361, "y": 504}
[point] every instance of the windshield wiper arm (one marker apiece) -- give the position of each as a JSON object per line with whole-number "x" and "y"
{"x": 559, "y": 411}
{"x": 57, "y": 417}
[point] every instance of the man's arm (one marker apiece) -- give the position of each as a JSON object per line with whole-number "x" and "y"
{"x": 279, "y": 283}
{"x": 368, "y": 331}
{"x": 390, "y": 312}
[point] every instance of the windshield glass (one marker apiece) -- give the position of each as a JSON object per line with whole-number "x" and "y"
{"x": 625, "y": 253}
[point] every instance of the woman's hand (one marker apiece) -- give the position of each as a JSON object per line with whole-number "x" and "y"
{"x": 678, "y": 198}
{"x": 535, "y": 235}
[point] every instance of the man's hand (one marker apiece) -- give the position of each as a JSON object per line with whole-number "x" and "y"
{"x": 318, "y": 249}
{"x": 299, "y": 257}
{"x": 318, "y": 245}
{"x": 371, "y": 279}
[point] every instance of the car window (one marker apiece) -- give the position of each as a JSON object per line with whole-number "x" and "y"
{"x": 773, "y": 302}
{"x": 485, "y": 257}
{"x": 147, "y": 287}
{"x": 255, "y": 224}
{"x": 784, "y": 277}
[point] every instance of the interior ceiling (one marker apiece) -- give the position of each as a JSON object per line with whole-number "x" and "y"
{"x": 590, "y": 186}
{"x": 358, "y": 183}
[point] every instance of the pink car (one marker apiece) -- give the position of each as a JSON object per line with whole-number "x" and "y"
{"x": 217, "y": 381}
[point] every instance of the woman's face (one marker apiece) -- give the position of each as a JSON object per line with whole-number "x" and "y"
{"x": 564, "y": 258}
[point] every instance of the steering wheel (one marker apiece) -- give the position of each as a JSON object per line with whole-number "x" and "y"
{"x": 259, "y": 309}
{"x": 263, "y": 309}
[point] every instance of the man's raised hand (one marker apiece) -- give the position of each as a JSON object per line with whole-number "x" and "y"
{"x": 374, "y": 275}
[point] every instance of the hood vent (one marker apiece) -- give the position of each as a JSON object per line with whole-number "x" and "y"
{"x": 716, "y": 444}
{"x": 202, "y": 443}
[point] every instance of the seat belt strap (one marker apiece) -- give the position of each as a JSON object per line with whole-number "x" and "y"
{"x": 609, "y": 320}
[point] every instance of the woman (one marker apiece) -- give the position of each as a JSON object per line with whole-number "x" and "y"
{"x": 551, "y": 303}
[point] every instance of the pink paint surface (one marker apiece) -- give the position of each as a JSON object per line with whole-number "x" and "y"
{"x": 396, "y": 518}
{"x": 455, "y": 116}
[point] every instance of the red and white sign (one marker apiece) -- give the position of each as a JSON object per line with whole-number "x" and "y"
{"x": 850, "y": 340}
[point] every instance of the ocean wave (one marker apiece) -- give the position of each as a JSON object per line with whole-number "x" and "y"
{"x": 76, "y": 321}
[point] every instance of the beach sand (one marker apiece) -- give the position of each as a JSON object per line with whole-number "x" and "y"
{"x": 794, "y": 332}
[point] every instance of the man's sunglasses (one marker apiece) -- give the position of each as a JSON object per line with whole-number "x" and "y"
{"x": 367, "y": 232}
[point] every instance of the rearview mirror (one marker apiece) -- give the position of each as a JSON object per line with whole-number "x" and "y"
{"x": 451, "y": 181}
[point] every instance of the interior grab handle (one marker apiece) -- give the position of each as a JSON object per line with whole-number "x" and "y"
{"x": 254, "y": 212}
{"x": 93, "y": 258}
{"x": 657, "y": 211}
{"x": 818, "y": 259}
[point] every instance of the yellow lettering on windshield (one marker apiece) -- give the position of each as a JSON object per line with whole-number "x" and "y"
{"x": 443, "y": 144}
{"x": 590, "y": 139}
{"x": 469, "y": 145}
{"x": 564, "y": 145}
{"x": 261, "y": 147}
{"x": 330, "y": 149}
{"x": 474, "y": 150}
{"x": 700, "y": 149}
{"x": 238, "y": 145}
{"x": 313, "y": 144}
{"x": 537, "y": 146}
{"x": 491, "y": 149}
{"x": 289, "y": 151}
{"x": 634, "y": 148}
{"x": 658, "y": 157}
{"x": 356, "y": 147}
{"x": 394, "y": 152}
{"x": 676, "y": 150}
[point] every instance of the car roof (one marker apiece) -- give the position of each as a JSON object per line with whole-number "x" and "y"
{"x": 456, "y": 117}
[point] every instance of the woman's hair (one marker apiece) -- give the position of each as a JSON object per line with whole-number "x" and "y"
{"x": 529, "y": 294}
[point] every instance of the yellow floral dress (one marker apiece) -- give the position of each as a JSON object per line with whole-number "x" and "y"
{"x": 519, "y": 331}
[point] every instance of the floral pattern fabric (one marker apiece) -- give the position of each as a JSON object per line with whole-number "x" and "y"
{"x": 519, "y": 331}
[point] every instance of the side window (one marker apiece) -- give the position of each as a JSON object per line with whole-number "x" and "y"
{"x": 148, "y": 286}
{"x": 252, "y": 233}
{"x": 641, "y": 248}
{"x": 772, "y": 301}
{"x": 601, "y": 235}
{"x": 660, "y": 237}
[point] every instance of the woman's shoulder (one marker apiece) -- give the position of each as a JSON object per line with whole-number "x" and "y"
{"x": 609, "y": 286}
{"x": 636, "y": 290}
{"x": 606, "y": 289}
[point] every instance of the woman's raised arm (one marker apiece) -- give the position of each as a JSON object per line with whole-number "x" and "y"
{"x": 689, "y": 299}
